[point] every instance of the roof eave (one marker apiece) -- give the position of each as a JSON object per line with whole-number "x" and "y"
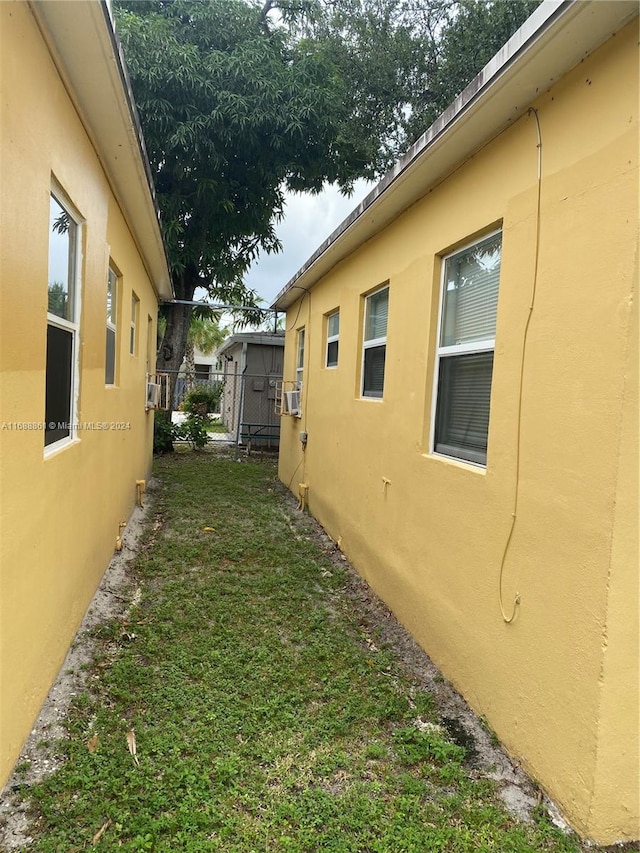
{"x": 552, "y": 41}
{"x": 259, "y": 338}
{"x": 77, "y": 33}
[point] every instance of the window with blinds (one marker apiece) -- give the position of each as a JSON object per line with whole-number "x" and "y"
{"x": 466, "y": 344}
{"x": 376, "y": 311}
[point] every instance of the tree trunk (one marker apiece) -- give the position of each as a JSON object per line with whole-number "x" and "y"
{"x": 190, "y": 366}
{"x": 174, "y": 343}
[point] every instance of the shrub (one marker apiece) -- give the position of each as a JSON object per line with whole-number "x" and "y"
{"x": 163, "y": 432}
{"x": 202, "y": 399}
{"x": 194, "y": 430}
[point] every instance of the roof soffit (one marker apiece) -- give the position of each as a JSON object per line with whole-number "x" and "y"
{"x": 83, "y": 45}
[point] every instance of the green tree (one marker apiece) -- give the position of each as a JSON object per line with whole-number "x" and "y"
{"x": 234, "y": 112}
{"x": 471, "y": 33}
{"x": 240, "y": 103}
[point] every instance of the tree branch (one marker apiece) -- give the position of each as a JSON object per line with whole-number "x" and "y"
{"x": 262, "y": 20}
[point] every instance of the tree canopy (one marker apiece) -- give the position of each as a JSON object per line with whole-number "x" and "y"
{"x": 240, "y": 103}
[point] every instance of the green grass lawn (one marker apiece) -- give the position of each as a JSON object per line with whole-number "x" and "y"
{"x": 263, "y": 721}
{"x": 216, "y": 426}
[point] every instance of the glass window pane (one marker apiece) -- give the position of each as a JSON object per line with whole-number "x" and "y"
{"x": 111, "y": 297}
{"x": 59, "y": 384}
{"x": 300, "y": 361}
{"x": 471, "y": 293}
{"x": 110, "y": 365}
{"x": 133, "y": 335}
{"x": 332, "y": 354}
{"x": 373, "y": 381}
{"x": 62, "y": 239}
{"x": 377, "y": 310}
{"x": 462, "y": 417}
{"x": 333, "y": 324}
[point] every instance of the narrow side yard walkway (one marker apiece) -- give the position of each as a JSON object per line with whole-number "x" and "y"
{"x": 246, "y": 704}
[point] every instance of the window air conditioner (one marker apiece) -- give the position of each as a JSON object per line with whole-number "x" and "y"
{"x": 291, "y": 403}
{"x": 153, "y": 395}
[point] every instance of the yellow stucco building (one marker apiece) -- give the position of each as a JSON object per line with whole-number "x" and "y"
{"x": 82, "y": 266}
{"x": 461, "y": 401}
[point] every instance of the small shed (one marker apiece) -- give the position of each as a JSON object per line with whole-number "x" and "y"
{"x": 252, "y": 370}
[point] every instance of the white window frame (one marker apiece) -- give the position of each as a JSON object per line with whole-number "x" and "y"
{"x": 135, "y": 322}
{"x": 332, "y": 339}
{"x": 372, "y": 343}
{"x": 112, "y": 325}
{"x": 71, "y": 326}
{"x": 300, "y": 344}
{"x": 442, "y": 352}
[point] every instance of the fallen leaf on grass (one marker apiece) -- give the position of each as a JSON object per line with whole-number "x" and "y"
{"x": 92, "y": 744}
{"x": 100, "y": 832}
{"x": 131, "y": 743}
{"x": 209, "y": 529}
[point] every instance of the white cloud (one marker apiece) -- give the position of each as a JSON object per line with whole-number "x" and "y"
{"x": 308, "y": 221}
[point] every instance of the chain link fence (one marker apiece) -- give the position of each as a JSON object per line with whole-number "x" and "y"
{"x": 245, "y": 413}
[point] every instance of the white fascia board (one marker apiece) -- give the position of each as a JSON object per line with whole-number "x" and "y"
{"x": 83, "y": 44}
{"x": 258, "y": 338}
{"x": 554, "y": 39}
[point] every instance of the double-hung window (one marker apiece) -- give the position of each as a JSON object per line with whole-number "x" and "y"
{"x": 333, "y": 334}
{"x": 62, "y": 323}
{"x": 374, "y": 344}
{"x": 112, "y": 307}
{"x": 464, "y": 359}
{"x": 300, "y": 359}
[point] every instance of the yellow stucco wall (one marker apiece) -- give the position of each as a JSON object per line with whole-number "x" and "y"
{"x": 560, "y": 684}
{"x": 59, "y": 513}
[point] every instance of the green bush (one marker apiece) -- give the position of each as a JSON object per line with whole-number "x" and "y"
{"x": 202, "y": 399}
{"x": 194, "y": 430}
{"x": 163, "y": 432}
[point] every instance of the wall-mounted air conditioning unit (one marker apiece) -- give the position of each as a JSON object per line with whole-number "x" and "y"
{"x": 153, "y": 395}
{"x": 291, "y": 403}
{"x": 158, "y": 391}
{"x": 288, "y": 398}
